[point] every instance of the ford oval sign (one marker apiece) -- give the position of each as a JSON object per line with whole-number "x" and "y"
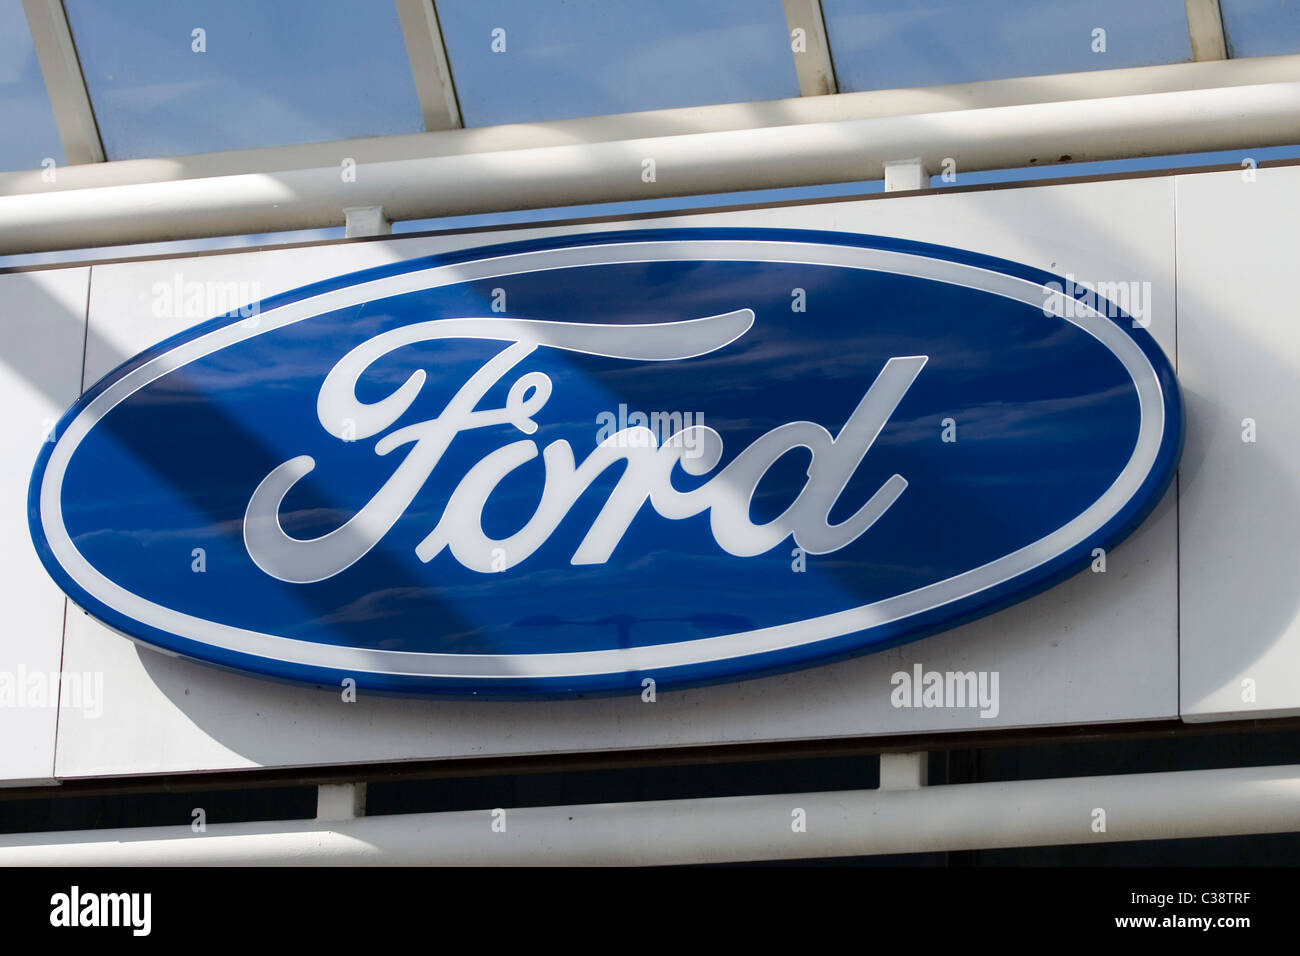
{"x": 570, "y": 464}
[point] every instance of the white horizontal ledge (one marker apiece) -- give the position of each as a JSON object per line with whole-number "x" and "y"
{"x": 1203, "y": 803}
{"x": 1230, "y": 104}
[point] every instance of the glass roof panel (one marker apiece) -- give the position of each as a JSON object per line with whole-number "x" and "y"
{"x": 30, "y": 135}
{"x": 258, "y": 74}
{"x": 888, "y": 44}
{"x": 523, "y": 60}
{"x": 1261, "y": 27}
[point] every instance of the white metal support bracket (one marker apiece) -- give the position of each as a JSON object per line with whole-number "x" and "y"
{"x": 340, "y": 801}
{"x": 901, "y": 174}
{"x": 905, "y": 771}
{"x": 366, "y": 221}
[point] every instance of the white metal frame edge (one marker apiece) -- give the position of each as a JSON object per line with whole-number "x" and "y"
{"x": 1155, "y": 806}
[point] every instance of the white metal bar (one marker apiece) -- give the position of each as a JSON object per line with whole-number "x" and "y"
{"x": 64, "y": 82}
{"x": 790, "y": 143}
{"x": 1205, "y": 27}
{"x": 428, "y": 55}
{"x": 1104, "y": 809}
{"x": 811, "y": 47}
{"x": 797, "y": 112}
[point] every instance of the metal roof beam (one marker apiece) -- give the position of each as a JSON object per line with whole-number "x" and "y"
{"x": 810, "y": 47}
{"x": 1205, "y": 27}
{"x": 428, "y": 55}
{"x": 64, "y": 81}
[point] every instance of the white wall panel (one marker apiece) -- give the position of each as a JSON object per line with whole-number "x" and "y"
{"x": 1100, "y": 647}
{"x": 1239, "y": 356}
{"x": 42, "y": 328}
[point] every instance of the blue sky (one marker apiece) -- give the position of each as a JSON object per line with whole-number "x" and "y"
{"x": 592, "y": 57}
{"x": 928, "y": 42}
{"x": 292, "y": 71}
{"x": 1261, "y": 27}
{"x": 29, "y": 131}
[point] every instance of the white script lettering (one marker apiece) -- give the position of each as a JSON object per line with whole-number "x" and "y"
{"x": 647, "y": 477}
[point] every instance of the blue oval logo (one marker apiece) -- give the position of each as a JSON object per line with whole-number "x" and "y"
{"x": 567, "y": 465}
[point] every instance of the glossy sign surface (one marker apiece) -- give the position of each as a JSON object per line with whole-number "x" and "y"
{"x": 570, "y": 464}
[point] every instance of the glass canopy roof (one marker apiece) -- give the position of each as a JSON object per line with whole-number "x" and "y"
{"x": 526, "y": 60}
{"x": 169, "y": 78}
{"x": 1261, "y": 27}
{"x": 882, "y": 44}
{"x": 30, "y": 134}
{"x": 258, "y": 74}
